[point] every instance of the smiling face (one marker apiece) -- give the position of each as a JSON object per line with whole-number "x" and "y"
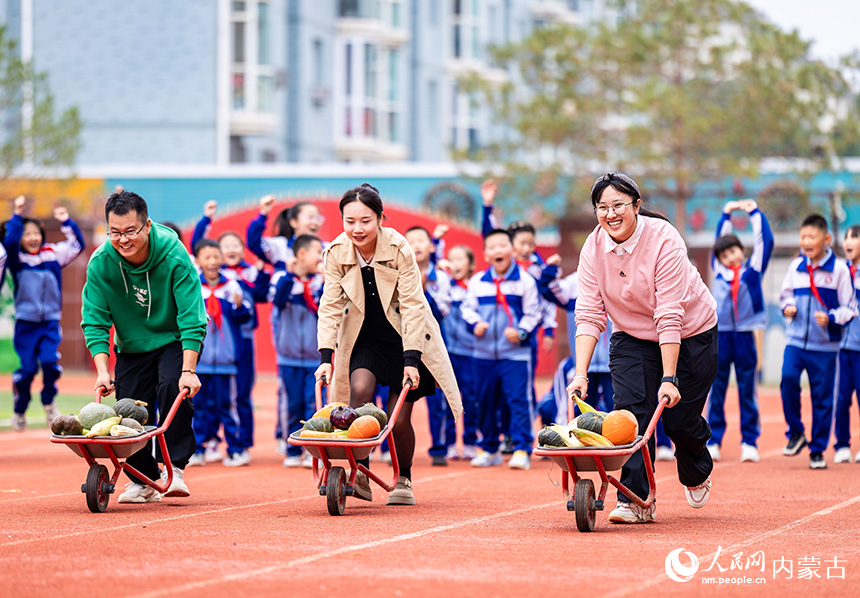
{"x": 731, "y": 257}
{"x": 232, "y": 248}
{"x": 134, "y": 250}
{"x": 32, "y": 239}
{"x": 852, "y": 248}
{"x": 210, "y": 261}
{"x": 813, "y": 242}
{"x": 422, "y": 246}
{"x": 619, "y": 226}
{"x": 308, "y": 221}
{"x": 361, "y": 225}
{"x": 524, "y": 245}
{"x": 461, "y": 266}
{"x": 309, "y": 258}
{"x": 498, "y": 251}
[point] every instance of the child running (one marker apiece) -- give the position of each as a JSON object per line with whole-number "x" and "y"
{"x": 849, "y": 359}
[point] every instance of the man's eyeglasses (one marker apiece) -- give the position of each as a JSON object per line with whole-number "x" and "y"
{"x": 618, "y": 208}
{"x": 130, "y": 235}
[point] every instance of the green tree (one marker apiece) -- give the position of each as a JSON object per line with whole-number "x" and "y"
{"x": 33, "y": 136}
{"x": 674, "y": 91}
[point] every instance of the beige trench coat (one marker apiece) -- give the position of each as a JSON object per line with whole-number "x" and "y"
{"x": 341, "y": 310}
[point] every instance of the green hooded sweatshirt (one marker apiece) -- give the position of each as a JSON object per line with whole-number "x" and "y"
{"x": 151, "y": 305}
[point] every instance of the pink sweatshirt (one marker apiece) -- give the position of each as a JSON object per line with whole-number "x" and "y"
{"x": 646, "y": 285}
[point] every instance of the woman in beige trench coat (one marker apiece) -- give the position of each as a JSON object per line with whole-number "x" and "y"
{"x": 373, "y": 315}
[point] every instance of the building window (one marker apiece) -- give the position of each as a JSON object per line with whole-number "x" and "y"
{"x": 465, "y": 113}
{"x": 238, "y": 154}
{"x": 465, "y": 32}
{"x": 263, "y": 41}
{"x": 253, "y": 77}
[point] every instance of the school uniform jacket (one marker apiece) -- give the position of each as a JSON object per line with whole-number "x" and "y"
{"x": 341, "y": 311}
{"x": 851, "y": 339}
{"x": 294, "y": 319}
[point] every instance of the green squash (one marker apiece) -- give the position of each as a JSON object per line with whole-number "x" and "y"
{"x": 591, "y": 421}
{"x": 129, "y": 408}
{"x": 549, "y": 437}
{"x": 319, "y": 424}
{"x": 93, "y": 413}
{"x": 373, "y": 410}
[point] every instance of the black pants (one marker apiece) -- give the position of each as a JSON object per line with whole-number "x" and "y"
{"x": 636, "y": 367}
{"x": 154, "y": 378}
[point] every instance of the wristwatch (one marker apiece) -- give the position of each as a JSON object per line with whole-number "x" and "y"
{"x": 522, "y": 335}
{"x": 670, "y": 379}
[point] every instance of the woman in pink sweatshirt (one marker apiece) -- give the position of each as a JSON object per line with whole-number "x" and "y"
{"x": 634, "y": 269}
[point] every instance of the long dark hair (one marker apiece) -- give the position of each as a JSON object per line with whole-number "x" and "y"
{"x": 24, "y": 223}
{"x": 366, "y": 194}
{"x": 282, "y": 226}
{"x": 623, "y": 184}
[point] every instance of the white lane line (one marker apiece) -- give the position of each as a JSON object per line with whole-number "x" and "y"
{"x": 343, "y": 549}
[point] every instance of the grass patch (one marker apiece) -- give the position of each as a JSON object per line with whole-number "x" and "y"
{"x": 8, "y": 358}
{"x": 35, "y": 414}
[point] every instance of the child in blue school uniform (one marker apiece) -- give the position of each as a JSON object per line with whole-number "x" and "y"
{"x": 849, "y": 359}
{"x": 36, "y": 269}
{"x": 502, "y": 310}
{"x": 302, "y": 218}
{"x": 295, "y": 294}
{"x": 254, "y": 281}
{"x": 215, "y": 403}
{"x": 437, "y": 291}
{"x": 740, "y": 311}
{"x": 818, "y": 297}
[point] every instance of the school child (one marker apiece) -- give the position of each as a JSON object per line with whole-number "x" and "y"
{"x": 215, "y": 404}
{"x": 254, "y": 281}
{"x": 849, "y": 359}
{"x": 36, "y": 269}
{"x": 740, "y": 311}
{"x": 461, "y": 347}
{"x": 303, "y": 218}
{"x": 818, "y": 297}
{"x": 437, "y": 290}
{"x": 295, "y": 294}
{"x": 502, "y": 310}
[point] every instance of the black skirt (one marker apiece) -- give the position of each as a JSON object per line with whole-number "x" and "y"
{"x": 379, "y": 347}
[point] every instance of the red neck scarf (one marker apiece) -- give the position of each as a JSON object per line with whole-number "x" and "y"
{"x": 503, "y": 301}
{"x": 811, "y": 269}
{"x": 308, "y": 294}
{"x": 736, "y": 286}
{"x": 213, "y": 304}
{"x": 462, "y": 284}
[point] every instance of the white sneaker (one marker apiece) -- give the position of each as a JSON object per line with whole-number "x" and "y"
{"x": 857, "y": 457}
{"x": 196, "y": 460}
{"x": 749, "y": 453}
{"x": 665, "y": 453}
{"x": 714, "y": 449}
{"x": 485, "y": 459}
{"x": 178, "y": 487}
{"x": 520, "y": 460}
{"x": 212, "y": 454}
{"x": 237, "y": 459}
{"x": 697, "y": 496}
{"x": 51, "y": 412}
{"x": 308, "y": 461}
{"x": 628, "y": 512}
{"x": 282, "y": 447}
{"x": 292, "y": 461}
{"x": 843, "y": 455}
{"x": 453, "y": 454}
{"x": 470, "y": 451}
{"x": 19, "y": 422}
{"x": 138, "y": 493}
{"x": 385, "y": 457}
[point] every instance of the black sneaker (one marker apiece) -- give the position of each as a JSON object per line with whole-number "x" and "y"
{"x": 795, "y": 444}
{"x": 816, "y": 461}
{"x": 440, "y": 461}
{"x": 507, "y": 446}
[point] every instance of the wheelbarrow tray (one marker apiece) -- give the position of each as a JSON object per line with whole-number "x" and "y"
{"x": 613, "y": 457}
{"x": 335, "y": 448}
{"x": 123, "y": 446}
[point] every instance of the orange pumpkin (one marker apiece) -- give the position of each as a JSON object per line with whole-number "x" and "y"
{"x": 327, "y": 409}
{"x": 620, "y": 427}
{"x": 365, "y": 426}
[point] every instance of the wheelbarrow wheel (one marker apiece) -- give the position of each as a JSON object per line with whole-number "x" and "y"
{"x": 584, "y": 505}
{"x": 96, "y": 486}
{"x": 335, "y": 491}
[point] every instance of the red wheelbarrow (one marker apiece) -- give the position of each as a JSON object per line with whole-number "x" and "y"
{"x": 582, "y": 499}
{"x": 98, "y": 487}
{"x": 334, "y": 483}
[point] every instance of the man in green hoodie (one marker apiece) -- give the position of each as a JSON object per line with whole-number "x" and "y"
{"x": 143, "y": 283}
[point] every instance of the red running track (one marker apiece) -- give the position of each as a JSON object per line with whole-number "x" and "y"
{"x": 263, "y": 531}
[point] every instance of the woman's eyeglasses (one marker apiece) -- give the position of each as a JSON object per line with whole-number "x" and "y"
{"x": 618, "y": 209}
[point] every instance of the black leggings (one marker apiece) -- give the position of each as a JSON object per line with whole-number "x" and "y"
{"x": 362, "y": 385}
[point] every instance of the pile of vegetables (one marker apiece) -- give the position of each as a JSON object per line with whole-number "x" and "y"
{"x": 125, "y": 418}
{"x": 339, "y": 420}
{"x": 592, "y": 428}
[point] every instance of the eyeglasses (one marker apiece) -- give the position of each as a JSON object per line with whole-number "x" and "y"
{"x": 618, "y": 208}
{"x": 130, "y": 235}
